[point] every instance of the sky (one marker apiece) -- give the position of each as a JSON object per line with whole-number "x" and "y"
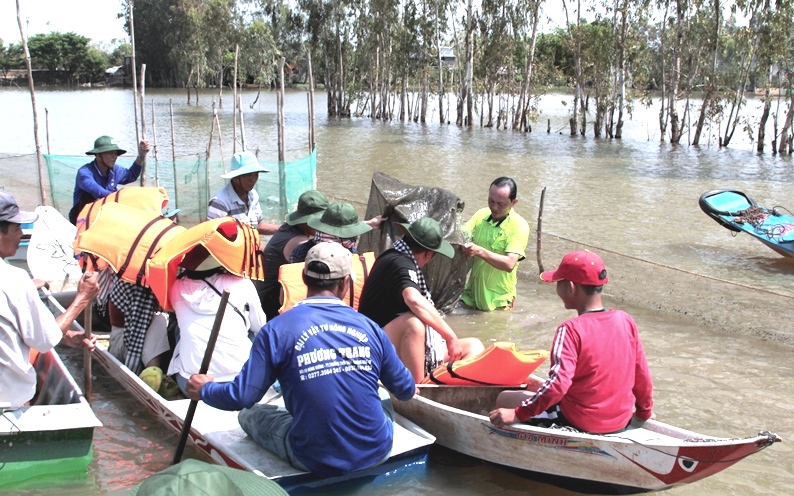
{"x": 94, "y": 19}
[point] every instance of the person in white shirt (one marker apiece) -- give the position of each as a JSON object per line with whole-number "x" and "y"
{"x": 25, "y": 322}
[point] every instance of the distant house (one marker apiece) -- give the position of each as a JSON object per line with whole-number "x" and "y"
{"x": 115, "y": 75}
{"x": 447, "y": 57}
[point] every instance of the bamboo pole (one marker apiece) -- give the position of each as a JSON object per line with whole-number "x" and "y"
{"x": 134, "y": 72}
{"x": 540, "y": 228}
{"x": 282, "y": 173}
{"x": 207, "y": 159}
{"x": 220, "y": 135}
{"x": 311, "y": 102}
{"x": 173, "y": 153}
{"x": 154, "y": 138}
{"x": 88, "y": 379}
{"x": 242, "y": 121}
{"x": 42, "y": 193}
{"x": 234, "y": 105}
{"x": 47, "y": 120}
{"x": 143, "y": 120}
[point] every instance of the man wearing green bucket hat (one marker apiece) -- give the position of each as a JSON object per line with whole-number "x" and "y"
{"x": 239, "y": 199}
{"x": 397, "y": 298}
{"x": 292, "y": 233}
{"x": 102, "y": 176}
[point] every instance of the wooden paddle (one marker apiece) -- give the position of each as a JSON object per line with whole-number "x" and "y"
{"x": 205, "y": 365}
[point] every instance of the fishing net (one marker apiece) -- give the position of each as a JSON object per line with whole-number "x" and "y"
{"x": 191, "y": 183}
{"x": 401, "y": 202}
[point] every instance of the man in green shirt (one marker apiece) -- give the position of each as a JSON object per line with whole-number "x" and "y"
{"x": 499, "y": 239}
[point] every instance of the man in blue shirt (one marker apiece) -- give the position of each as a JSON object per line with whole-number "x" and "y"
{"x": 102, "y": 176}
{"x": 328, "y": 359}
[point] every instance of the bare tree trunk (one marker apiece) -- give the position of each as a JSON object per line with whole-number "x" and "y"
{"x": 785, "y": 133}
{"x": 675, "y": 123}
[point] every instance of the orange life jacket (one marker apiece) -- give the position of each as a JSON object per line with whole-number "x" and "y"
{"x": 125, "y": 238}
{"x": 149, "y": 199}
{"x": 234, "y": 244}
{"x": 500, "y": 364}
{"x": 290, "y": 276}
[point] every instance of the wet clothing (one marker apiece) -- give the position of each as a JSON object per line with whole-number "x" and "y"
{"x": 599, "y": 374}
{"x": 489, "y": 288}
{"x": 328, "y": 359}
{"x": 274, "y": 258}
{"x": 90, "y": 184}
{"x": 227, "y": 204}
{"x": 25, "y": 323}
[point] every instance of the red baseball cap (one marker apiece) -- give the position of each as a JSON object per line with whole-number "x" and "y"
{"x": 580, "y": 267}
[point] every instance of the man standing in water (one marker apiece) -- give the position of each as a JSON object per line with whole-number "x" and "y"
{"x": 499, "y": 239}
{"x": 102, "y": 176}
{"x": 599, "y": 375}
{"x": 239, "y": 199}
{"x": 25, "y": 322}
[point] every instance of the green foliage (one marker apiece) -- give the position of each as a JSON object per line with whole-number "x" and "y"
{"x": 69, "y": 53}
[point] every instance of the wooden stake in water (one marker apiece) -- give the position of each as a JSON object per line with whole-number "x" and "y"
{"x": 282, "y": 173}
{"x": 134, "y": 72}
{"x": 540, "y": 228}
{"x": 234, "y": 105}
{"x": 173, "y": 153}
{"x": 154, "y": 139}
{"x": 47, "y": 124}
{"x": 205, "y": 365}
{"x": 242, "y": 121}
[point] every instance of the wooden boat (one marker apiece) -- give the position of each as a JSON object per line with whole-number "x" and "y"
{"x": 218, "y": 435}
{"x": 647, "y": 457}
{"x": 737, "y": 212}
{"x": 51, "y": 440}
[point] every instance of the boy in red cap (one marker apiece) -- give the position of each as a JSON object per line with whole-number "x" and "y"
{"x": 599, "y": 375}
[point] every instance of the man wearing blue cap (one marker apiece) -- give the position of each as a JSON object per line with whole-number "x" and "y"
{"x": 239, "y": 199}
{"x": 102, "y": 176}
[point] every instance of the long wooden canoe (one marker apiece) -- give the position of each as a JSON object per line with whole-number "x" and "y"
{"x": 646, "y": 457}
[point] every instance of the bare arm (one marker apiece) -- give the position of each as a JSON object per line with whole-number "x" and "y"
{"x": 87, "y": 289}
{"x": 267, "y": 228}
{"x": 427, "y": 313}
{"x": 506, "y": 262}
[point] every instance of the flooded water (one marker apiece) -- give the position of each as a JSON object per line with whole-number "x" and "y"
{"x": 692, "y": 287}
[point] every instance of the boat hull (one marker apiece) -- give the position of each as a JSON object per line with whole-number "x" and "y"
{"x": 651, "y": 457}
{"x": 52, "y": 439}
{"x": 771, "y": 227}
{"x": 217, "y": 434}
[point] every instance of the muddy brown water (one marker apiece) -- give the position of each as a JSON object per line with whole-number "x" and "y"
{"x": 714, "y": 311}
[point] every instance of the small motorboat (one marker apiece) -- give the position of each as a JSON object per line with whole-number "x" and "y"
{"x": 647, "y": 456}
{"x": 737, "y": 212}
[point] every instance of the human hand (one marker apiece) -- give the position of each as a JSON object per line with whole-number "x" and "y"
{"x": 454, "y": 349}
{"x": 502, "y": 417}
{"x": 41, "y": 284}
{"x": 74, "y": 339}
{"x": 88, "y": 286}
{"x": 471, "y": 250}
{"x": 376, "y": 222}
{"x": 195, "y": 384}
{"x": 143, "y": 149}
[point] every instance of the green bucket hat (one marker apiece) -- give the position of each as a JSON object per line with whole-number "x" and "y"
{"x": 311, "y": 204}
{"x": 105, "y": 144}
{"x": 195, "y": 477}
{"x": 427, "y": 232}
{"x": 340, "y": 220}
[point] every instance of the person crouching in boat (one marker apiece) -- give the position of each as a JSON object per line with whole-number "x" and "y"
{"x": 328, "y": 359}
{"x": 102, "y": 176}
{"x": 25, "y": 322}
{"x": 397, "y": 298}
{"x": 138, "y": 326}
{"x": 196, "y": 296}
{"x": 598, "y": 376}
{"x": 293, "y": 232}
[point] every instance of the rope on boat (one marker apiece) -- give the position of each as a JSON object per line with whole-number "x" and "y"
{"x": 711, "y": 278}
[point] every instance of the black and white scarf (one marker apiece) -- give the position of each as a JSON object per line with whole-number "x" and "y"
{"x": 403, "y": 247}
{"x": 138, "y": 305}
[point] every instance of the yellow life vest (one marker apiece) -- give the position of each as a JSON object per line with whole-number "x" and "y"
{"x": 290, "y": 276}
{"x": 125, "y": 238}
{"x": 234, "y": 244}
{"x": 500, "y": 364}
{"x": 149, "y": 199}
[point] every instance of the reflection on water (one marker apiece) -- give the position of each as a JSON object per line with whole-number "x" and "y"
{"x": 635, "y": 197}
